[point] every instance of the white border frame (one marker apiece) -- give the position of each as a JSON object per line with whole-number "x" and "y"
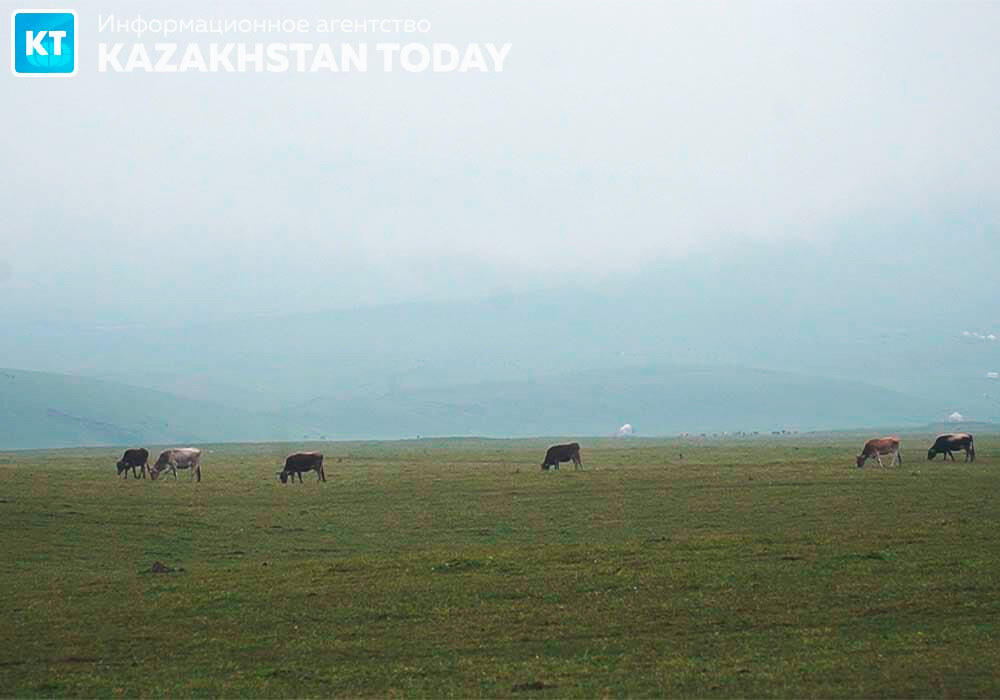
{"x": 76, "y": 45}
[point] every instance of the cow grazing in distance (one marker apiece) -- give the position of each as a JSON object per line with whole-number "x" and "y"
{"x": 877, "y": 447}
{"x": 302, "y": 462}
{"x": 134, "y": 458}
{"x": 178, "y": 458}
{"x": 562, "y": 453}
{"x": 953, "y": 442}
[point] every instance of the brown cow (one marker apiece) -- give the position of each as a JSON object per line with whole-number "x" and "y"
{"x": 876, "y": 447}
{"x": 953, "y": 442}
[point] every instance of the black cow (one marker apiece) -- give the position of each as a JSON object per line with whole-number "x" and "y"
{"x": 562, "y": 453}
{"x": 302, "y": 462}
{"x": 949, "y": 442}
{"x": 134, "y": 458}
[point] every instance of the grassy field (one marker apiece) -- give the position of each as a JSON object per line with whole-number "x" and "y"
{"x": 767, "y": 567}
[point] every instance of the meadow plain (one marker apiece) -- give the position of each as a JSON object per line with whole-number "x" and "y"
{"x": 456, "y": 568}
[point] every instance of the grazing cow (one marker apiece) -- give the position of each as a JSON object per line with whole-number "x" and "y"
{"x": 302, "y": 462}
{"x": 135, "y": 458}
{"x": 178, "y": 458}
{"x": 876, "y": 447}
{"x": 953, "y": 442}
{"x": 562, "y": 453}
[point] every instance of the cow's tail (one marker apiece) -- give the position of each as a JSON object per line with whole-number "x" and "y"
{"x": 972, "y": 449}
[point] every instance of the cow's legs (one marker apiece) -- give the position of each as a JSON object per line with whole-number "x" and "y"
{"x": 878, "y": 458}
{"x": 300, "y": 477}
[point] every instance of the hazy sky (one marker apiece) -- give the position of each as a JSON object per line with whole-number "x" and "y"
{"x": 617, "y": 136}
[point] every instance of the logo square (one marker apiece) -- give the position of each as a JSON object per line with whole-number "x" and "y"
{"x": 43, "y": 43}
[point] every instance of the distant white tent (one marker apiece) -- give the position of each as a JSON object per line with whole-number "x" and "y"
{"x": 956, "y": 417}
{"x": 993, "y": 375}
{"x": 626, "y": 431}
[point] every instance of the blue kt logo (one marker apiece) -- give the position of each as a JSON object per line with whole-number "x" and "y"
{"x": 43, "y": 42}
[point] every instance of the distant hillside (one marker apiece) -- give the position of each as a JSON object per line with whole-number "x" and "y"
{"x": 655, "y": 400}
{"x": 51, "y": 410}
{"x": 38, "y": 409}
{"x": 815, "y": 318}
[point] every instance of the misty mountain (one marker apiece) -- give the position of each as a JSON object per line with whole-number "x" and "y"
{"x": 655, "y": 400}
{"x": 47, "y": 410}
{"x": 840, "y": 313}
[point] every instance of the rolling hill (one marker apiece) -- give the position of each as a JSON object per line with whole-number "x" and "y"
{"x": 39, "y": 409}
{"x": 656, "y": 400}
{"x": 50, "y": 410}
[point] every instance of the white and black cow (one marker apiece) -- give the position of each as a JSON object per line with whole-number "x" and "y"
{"x": 562, "y": 453}
{"x": 134, "y": 458}
{"x": 302, "y": 462}
{"x": 953, "y": 442}
{"x": 178, "y": 458}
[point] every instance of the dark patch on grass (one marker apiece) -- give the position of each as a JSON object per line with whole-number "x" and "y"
{"x": 159, "y": 567}
{"x": 75, "y": 660}
{"x": 506, "y": 595}
{"x": 533, "y": 685}
{"x": 874, "y": 556}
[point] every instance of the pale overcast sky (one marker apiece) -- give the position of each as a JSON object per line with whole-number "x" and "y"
{"x": 619, "y": 134}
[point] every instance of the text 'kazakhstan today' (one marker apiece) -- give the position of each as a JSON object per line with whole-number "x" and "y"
{"x": 300, "y": 57}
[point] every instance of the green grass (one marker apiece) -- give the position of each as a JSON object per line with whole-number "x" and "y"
{"x": 458, "y": 568}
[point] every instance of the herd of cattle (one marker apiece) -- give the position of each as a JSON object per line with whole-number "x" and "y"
{"x": 944, "y": 445}
{"x": 137, "y": 459}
